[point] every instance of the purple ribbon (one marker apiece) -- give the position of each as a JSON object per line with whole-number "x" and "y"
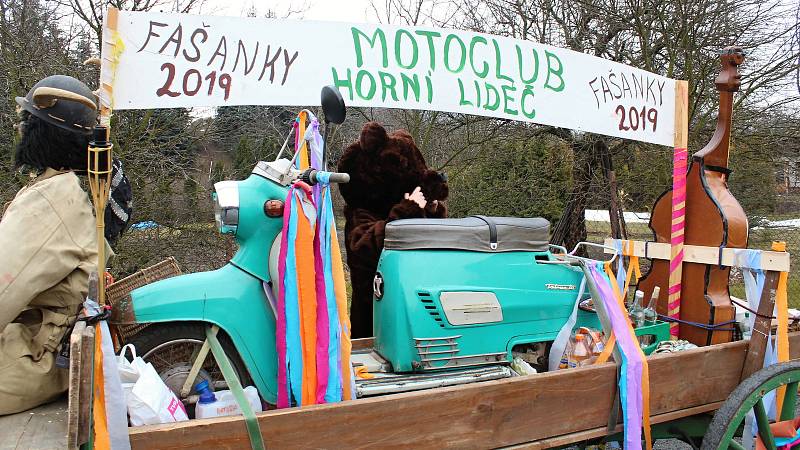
{"x": 630, "y": 383}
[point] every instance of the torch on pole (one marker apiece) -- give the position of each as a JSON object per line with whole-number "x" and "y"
{"x": 99, "y": 172}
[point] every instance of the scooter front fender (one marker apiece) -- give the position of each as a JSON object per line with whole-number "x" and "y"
{"x": 228, "y": 297}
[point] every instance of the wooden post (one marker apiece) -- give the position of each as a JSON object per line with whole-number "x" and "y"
{"x": 100, "y": 180}
{"x": 754, "y": 360}
{"x": 81, "y": 344}
{"x": 782, "y": 312}
{"x": 678, "y": 202}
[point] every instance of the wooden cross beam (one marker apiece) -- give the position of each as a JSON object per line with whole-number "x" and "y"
{"x": 770, "y": 260}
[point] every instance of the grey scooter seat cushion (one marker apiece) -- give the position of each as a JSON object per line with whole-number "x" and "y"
{"x": 469, "y": 233}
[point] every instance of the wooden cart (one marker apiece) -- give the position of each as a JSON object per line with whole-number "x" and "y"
{"x": 537, "y": 411}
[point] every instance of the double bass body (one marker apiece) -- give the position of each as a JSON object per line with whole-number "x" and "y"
{"x": 713, "y": 218}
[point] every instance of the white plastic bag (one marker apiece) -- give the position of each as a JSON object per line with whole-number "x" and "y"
{"x": 151, "y": 401}
{"x": 128, "y": 372}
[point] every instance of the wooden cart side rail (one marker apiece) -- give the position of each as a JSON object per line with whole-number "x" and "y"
{"x": 567, "y": 439}
{"x": 482, "y": 415}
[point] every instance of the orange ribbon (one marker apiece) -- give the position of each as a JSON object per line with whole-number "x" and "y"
{"x": 99, "y": 424}
{"x": 307, "y": 295}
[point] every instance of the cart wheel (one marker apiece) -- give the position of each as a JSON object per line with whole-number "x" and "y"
{"x": 748, "y": 396}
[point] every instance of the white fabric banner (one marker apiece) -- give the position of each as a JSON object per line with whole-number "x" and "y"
{"x": 158, "y": 60}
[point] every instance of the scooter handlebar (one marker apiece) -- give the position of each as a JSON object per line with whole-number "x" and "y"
{"x": 338, "y": 177}
{"x": 313, "y": 177}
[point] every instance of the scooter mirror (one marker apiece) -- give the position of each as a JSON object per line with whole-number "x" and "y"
{"x": 333, "y": 105}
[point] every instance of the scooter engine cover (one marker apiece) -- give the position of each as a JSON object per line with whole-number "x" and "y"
{"x": 445, "y": 308}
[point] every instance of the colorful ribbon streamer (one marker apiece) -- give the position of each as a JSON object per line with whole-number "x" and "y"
{"x": 634, "y": 381}
{"x": 313, "y": 327}
{"x": 677, "y": 237}
{"x": 754, "y": 280}
{"x": 109, "y": 414}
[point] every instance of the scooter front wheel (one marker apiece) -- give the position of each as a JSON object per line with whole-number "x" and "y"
{"x": 173, "y": 347}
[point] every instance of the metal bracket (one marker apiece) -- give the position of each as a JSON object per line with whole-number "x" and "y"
{"x": 197, "y": 365}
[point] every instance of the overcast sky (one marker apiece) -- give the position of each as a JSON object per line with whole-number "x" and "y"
{"x": 330, "y": 10}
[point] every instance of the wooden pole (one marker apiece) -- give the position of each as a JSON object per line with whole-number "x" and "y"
{"x": 762, "y": 327}
{"x": 99, "y": 168}
{"x": 678, "y": 202}
{"x": 782, "y": 310}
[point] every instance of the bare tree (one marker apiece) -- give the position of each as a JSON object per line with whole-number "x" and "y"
{"x": 679, "y": 39}
{"x": 91, "y": 12}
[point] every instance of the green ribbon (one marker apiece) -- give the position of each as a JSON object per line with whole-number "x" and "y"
{"x": 253, "y": 430}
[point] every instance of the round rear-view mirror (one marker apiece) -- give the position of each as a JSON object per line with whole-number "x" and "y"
{"x": 333, "y": 105}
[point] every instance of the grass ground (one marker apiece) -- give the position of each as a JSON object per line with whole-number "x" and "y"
{"x": 199, "y": 247}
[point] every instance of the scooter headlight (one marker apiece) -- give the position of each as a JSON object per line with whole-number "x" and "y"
{"x": 226, "y": 206}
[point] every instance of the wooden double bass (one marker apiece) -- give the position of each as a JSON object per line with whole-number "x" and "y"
{"x": 713, "y": 218}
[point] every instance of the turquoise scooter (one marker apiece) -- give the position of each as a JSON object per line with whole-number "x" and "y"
{"x": 455, "y": 300}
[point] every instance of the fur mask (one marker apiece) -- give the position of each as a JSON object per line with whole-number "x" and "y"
{"x": 385, "y": 166}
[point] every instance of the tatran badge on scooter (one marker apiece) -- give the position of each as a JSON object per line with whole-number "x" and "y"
{"x": 377, "y": 286}
{"x": 560, "y": 287}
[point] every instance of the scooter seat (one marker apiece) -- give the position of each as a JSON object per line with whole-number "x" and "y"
{"x": 476, "y": 233}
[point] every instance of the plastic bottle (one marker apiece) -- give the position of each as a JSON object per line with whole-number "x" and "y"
{"x": 581, "y": 352}
{"x": 746, "y": 330}
{"x": 567, "y": 356}
{"x": 650, "y": 313}
{"x": 222, "y": 403}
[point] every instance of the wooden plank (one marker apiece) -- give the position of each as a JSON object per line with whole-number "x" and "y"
{"x": 73, "y": 402}
{"x": 762, "y": 326}
{"x": 770, "y": 260}
{"x": 481, "y": 415}
{"x": 600, "y": 432}
{"x": 363, "y": 343}
{"x": 86, "y": 386}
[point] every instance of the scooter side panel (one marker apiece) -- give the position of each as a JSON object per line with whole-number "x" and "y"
{"x": 535, "y": 299}
{"x": 228, "y": 297}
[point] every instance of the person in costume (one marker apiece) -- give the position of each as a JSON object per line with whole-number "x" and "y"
{"x": 47, "y": 233}
{"x": 389, "y": 180}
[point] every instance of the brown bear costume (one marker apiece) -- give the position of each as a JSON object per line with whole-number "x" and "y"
{"x": 383, "y": 168}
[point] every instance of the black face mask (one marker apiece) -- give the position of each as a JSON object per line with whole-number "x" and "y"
{"x": 42, "y": 145}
